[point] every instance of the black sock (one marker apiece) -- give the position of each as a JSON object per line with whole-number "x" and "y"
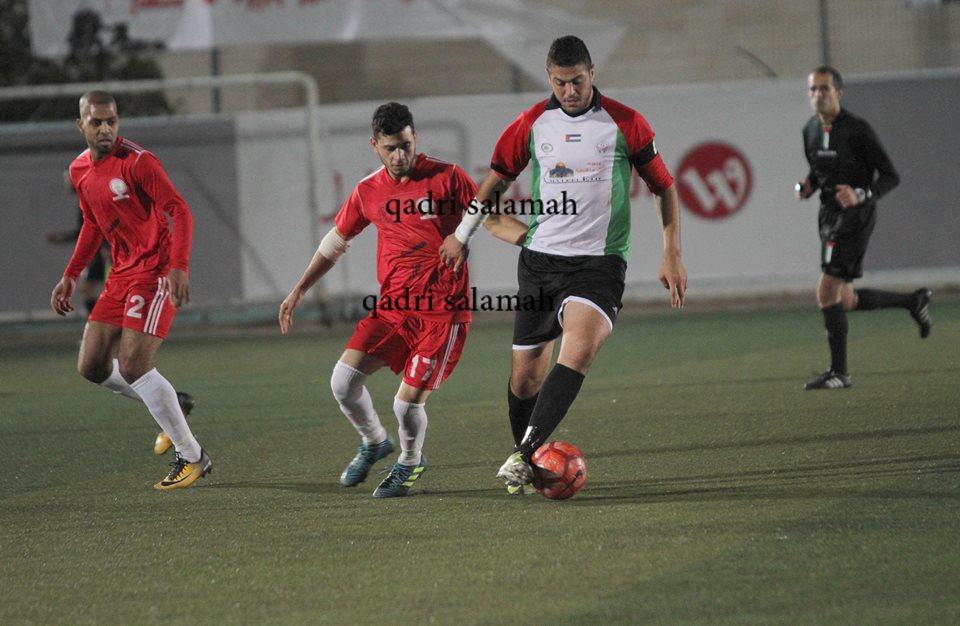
{"x": 557, "y": 394}
{"x": 869, "y": 299}
{"x": 835, "y": 321}
{"x": 520, "y": 412}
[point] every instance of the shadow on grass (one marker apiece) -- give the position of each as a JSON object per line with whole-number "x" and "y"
{"x": 823, "y": 480}
{"x": 865, "y": 435}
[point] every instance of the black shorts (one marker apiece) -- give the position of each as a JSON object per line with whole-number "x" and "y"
{"x": 844, "y": 235}
{"x": 548, "y": 281}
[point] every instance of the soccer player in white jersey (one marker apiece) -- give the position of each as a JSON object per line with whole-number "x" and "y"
{"x": 582, "y": 146}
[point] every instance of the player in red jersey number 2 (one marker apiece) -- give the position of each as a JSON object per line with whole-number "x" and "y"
{"x": 125, "y": 196}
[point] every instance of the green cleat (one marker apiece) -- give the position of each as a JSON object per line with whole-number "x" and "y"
{"x": 516, "y": 470}
{"x": 367, "y": 455}
{"x": 401, "y": 478}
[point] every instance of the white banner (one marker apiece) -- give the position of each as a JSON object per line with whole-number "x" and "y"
{"x": 734, "y": 149}
{"x": 511, "y": 27}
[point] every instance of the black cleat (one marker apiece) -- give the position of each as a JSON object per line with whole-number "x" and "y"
{"x": 921, "y": 311}
{"x": 186, "y": 402}
{"x": 830, "y": 380}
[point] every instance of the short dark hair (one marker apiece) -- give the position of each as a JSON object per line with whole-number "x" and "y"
{"x": 568, "y": 51}
{"x": 828, "y": 69}
{"x": 96, "y": 97}
{"x": 391, "y": 118}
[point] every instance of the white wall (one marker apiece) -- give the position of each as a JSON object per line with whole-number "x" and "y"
{"x": 771, "y": 238}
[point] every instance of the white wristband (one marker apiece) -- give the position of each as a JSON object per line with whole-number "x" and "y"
{"x": 333, "y": 245}
{"x": 473, "y": 217}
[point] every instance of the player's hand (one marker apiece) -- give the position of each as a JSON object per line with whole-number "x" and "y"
{"x": 453, "y": 253}
{"x": 286, "y": 309}
{"x": 177, "y": 282}
{"x": 62, "y": 295}
{"x": 673, "y": 277}
{"x": 847, "y": 196}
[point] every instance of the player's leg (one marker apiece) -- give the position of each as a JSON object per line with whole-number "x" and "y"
{"x": 917, "y": 303}
{"x": 528, "y": 369}
{"x": 137, "y": 359}
{"x": 834, "y": 294}
{"x": 585, "y": 329}
{"x": 541, "y": 281}
{"x": 100, "y": 347}
{"x": 409, "y": 407}
{"x": 96, "y": 360}
{"x": 434, "y": 354}
{"x": 348, "y": 384}
{"x": 147, "y": 318}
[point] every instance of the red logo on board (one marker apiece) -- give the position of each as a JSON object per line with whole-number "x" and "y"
{"x": 714, "y": 180}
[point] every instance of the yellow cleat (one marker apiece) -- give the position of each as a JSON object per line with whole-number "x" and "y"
{"x": 183, "y": 473}
{"x": 163, "y": 443}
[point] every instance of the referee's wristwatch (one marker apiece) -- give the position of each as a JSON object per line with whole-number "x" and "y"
{"x": 863, "y": 194}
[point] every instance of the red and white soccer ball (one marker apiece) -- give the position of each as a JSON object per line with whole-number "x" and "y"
{"x": 559, "y": 470}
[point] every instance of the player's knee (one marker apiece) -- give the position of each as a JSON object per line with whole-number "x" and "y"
{"x": 132, "y": 371}
{"x": 346, "y": 383}
{"x": 94, "y": 372}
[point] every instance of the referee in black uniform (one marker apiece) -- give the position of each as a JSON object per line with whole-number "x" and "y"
{"x": 850, "y": 168}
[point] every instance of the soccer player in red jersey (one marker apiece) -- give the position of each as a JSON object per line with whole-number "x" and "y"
{"x": 419, "y": 324}
{"x": 125, "y": 196}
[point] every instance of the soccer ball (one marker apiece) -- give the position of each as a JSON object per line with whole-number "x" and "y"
{"x": 559, "y": 470}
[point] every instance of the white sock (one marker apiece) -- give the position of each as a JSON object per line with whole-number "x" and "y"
{"x": 351, "y": 394}
{"x": 161, "y": 400}
{"x": 118, "y": 385}
{"x": 413, "y": 430}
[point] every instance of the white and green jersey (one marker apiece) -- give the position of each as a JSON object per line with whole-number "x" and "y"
{"x": 580, "y": 202}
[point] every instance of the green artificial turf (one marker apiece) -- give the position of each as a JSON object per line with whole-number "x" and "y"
{"x": 719, "y": 491}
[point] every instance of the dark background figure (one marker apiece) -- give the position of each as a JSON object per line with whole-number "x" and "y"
{"x": 850, "y": 167}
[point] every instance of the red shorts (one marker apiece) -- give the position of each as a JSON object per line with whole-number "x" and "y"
{"x": 425, "y": 351}
{"x": 140, "y": 305}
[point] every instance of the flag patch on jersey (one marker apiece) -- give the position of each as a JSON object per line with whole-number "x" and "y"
{"x": 572, "y": 138}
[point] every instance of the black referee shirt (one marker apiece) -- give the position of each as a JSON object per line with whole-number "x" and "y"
{"x": 849, "y": 154}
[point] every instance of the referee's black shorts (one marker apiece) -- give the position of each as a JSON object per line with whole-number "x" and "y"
{"x": 844, "y": 235}
{"x": 550, "y": 281}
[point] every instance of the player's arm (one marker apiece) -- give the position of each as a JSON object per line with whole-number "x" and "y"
{"x": 649, "y": 164}
{"x": 502, "y": 227}
{"x": 159, "y": 188}
{"x": 673, "y": 275}
{"x": 887, "y": 177}
{"x": 806, "y": 187}
{"x": 455, "y": 247}
{"x": 89, "y": 240}
{"x": 332, "y": 247}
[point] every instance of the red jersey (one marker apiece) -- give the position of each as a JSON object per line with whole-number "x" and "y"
{"x": 125, "y": 198}
{"x": 412, "y": 218}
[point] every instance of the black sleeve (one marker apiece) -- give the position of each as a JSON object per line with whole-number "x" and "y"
{"x": 886, "y": 175}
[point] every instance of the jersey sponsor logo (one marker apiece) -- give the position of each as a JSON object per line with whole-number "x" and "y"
{"x": 119, "y": 189}
{"x": 715, "y": 180}
{"x": 561, "y": 173}
{"x": 602, "y": 147}
{"x": 560, "y": 170}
